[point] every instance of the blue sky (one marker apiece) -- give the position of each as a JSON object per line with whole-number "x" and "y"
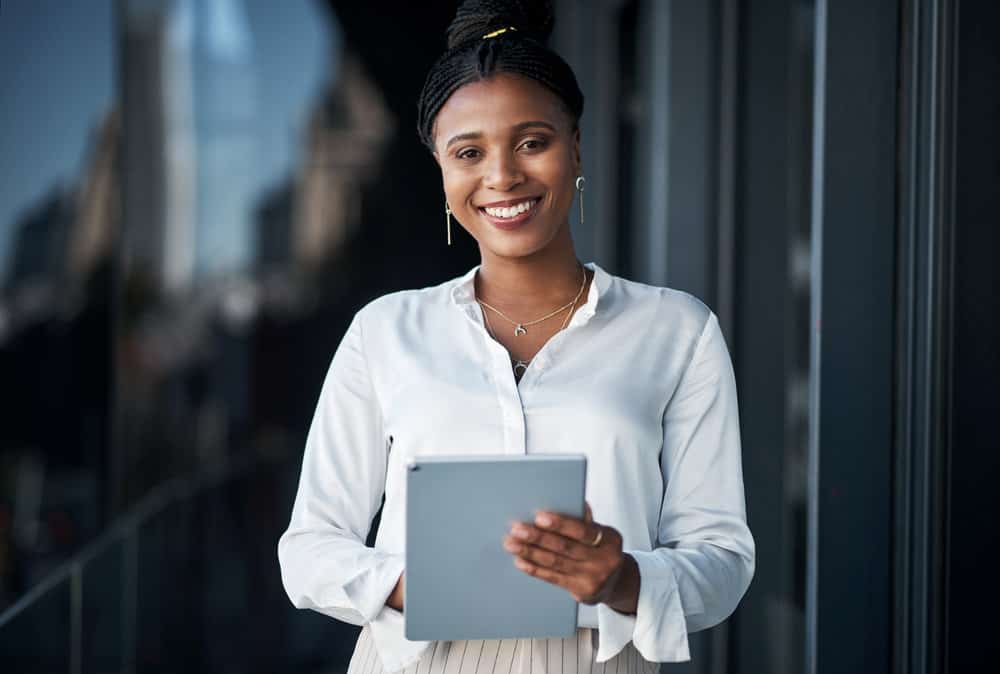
{"x": 57, "y": 79}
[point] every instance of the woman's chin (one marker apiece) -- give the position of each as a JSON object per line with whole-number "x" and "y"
{"x": 509, "y": 248}
{"x": 517, "y": 244}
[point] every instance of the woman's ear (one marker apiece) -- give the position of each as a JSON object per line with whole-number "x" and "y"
{"x": 436, "y": 157}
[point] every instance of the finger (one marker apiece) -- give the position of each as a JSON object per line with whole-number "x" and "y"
{"x": 548, "y": 575}
{"x": 567, "y": 582}
{"x": 568, "y": 526}
{"x": 557, "y": 543}
{"x": 588, "y": 515}
{"x": 545, "y": 558}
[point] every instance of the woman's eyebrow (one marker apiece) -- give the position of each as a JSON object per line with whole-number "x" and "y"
{"x": 517, "y": 128}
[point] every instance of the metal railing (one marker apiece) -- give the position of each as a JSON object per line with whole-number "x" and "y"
{"x": 175, "y": 583}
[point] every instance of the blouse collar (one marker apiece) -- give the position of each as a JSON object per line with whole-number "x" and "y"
{"x": 463, "y": 291}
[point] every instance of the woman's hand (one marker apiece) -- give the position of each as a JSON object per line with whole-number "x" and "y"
{"x": 559, "y": 549}
{"x": 395, "y": 599}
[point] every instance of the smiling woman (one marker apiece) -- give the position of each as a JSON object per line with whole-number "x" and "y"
{"x": 531, "y": 351}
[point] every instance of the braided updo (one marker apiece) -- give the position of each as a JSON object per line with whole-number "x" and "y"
{"x": 521, "y": 51}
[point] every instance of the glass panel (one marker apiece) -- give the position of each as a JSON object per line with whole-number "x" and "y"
{"x": 227, "y": 208}
{"x": 250, "y": 133}
{"x": 58, "y": 130}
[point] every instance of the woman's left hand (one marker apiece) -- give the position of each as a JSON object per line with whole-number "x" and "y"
{"x": 560, "y": 549}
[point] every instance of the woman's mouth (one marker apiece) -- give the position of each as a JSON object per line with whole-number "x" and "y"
{"x": 512, "y": 216}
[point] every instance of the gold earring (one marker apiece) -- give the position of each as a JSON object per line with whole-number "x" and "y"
{"x": 447, "y": 217}
{"x": 580, "y": 180}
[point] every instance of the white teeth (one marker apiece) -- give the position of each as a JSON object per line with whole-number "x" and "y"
{"x": 509, "y": 212}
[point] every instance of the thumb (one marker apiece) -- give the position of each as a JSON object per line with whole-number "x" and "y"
{"x": 588, "y": 515}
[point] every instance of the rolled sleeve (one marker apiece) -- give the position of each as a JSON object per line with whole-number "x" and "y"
{"x": 660, "y": 632}
{"x": 369, "y": 590}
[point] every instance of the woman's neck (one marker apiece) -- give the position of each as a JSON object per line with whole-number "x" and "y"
{"x": 550, "y": 277}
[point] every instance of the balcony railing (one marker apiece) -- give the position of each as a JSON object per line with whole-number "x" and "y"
{"x": 187, "y": 580}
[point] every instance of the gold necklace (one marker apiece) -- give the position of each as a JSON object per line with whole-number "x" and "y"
{"x": 523, "y": 364}
{"x": 520, "y": 328}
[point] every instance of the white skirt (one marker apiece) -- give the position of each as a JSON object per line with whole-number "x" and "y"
{"x": 573, "y": 655}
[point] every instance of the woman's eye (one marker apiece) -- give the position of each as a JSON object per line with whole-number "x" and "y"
{"x": 533, "y": 144}
{"x": 468, "y": 153}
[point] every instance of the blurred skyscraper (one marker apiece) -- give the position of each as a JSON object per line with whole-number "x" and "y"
{"x": 190, "y": 147}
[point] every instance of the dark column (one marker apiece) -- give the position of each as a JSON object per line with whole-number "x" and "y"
{"x": 923, "y": 301}
{"x": 854, "y": 215}
{"x": 973, "y": 594}
{"x": 770, "y": 310}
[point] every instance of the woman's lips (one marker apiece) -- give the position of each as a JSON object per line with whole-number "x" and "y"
{"x": 512, "y": 222}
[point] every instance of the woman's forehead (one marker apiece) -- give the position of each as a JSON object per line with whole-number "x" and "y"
{"x": 499, "y": 104}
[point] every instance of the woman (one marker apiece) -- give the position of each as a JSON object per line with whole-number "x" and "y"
{"x": 528, "y": 352}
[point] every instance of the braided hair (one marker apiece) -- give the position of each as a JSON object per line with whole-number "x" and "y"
{"x": 519, "y": 49}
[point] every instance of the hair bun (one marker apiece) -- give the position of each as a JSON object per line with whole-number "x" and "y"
{"x": 476, "y": 18}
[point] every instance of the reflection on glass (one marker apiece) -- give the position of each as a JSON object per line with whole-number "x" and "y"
{"x": 248, "y": 137}
{"x": 165, "y": 310}
{"x": 59, "y": 134}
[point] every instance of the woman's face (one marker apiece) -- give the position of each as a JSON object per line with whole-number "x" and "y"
{"x": 509, "y": 156}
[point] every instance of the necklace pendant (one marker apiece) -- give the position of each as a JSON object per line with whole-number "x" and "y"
{"x": 519, "y": 330}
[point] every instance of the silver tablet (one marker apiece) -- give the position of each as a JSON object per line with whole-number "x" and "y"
{"x": 460, "y": 581}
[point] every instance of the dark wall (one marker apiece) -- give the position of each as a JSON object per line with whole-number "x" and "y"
{"x": 973, "y": 595}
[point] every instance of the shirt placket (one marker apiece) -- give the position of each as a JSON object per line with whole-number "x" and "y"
{"x": 509, "y": 397}
{"x": 505, "y": 387}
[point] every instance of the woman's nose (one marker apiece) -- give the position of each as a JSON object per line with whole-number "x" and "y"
{"x": 503, "y": 172}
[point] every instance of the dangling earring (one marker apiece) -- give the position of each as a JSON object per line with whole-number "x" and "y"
{"x": 447, "y": 217}
{"x": 579, "y": 186}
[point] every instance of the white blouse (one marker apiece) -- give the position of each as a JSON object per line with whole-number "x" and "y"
{"x": 640, "y": 381}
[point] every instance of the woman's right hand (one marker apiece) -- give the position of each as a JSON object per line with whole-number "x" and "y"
{"x": 395, "y": 599}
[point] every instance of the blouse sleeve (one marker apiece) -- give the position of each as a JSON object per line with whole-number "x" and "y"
{"x": 325, "y": 564}
{"x": 703, "y": 559}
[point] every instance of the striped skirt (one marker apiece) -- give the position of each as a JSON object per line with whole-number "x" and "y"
{"x": 572, "y": 655}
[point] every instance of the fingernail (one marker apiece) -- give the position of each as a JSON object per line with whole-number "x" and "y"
{"x": 519, "y": 531}
{"x": 543, "y": 520}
